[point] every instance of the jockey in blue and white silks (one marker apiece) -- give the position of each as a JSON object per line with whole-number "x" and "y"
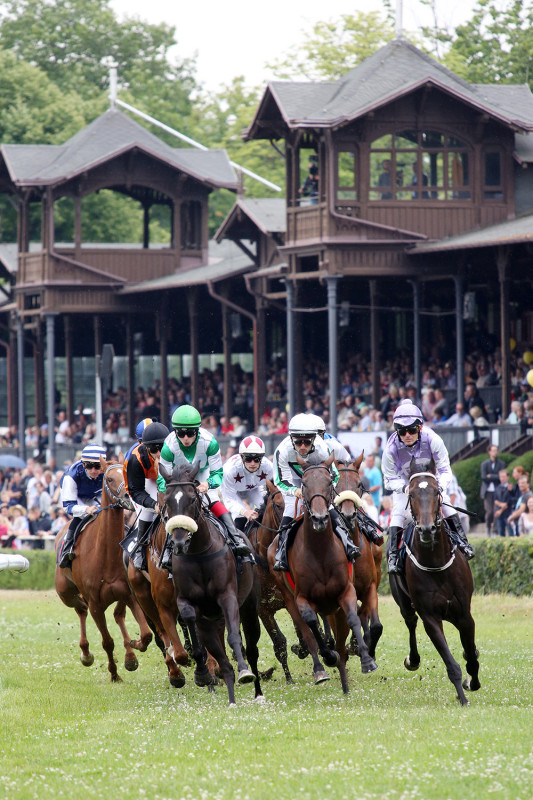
{"x": 410, "y": 441}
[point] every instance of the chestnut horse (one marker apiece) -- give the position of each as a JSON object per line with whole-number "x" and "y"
{"x": 209, "y": 592}
{"x": 367, "y": 568}
{"x": 321, "y": 578}
{"x": 96, "y": 577}
{"x": 438, "y": 583}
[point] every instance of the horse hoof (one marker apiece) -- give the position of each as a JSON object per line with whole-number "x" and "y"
{"x": 267, "y": 674}
{"x": 87, "y": 660}
{"x": 232, "y": 705}
{"x": 203, "y": 678}
{"x": 131, "y": 665}
{"x": 245, "y": 676}
{"x": 321, "y": 677}
{"x": 332, "y": 659}
{"x": 116, "y": 678}
{"x": 177, "y": 683}
{"x": 369, "y": 666}
{"x": 471, "y": 684}
{"x": 260, "y": 699}
{"x": 411, "y": 667}
{"x": 299, "y": 651}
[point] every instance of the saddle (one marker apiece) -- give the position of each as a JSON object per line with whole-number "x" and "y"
{"x": 77, "y": 526}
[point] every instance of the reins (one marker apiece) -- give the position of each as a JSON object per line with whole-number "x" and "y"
{"x": 438, "y": 525}
{"x": 119, "y": 501}
{"x": 305, "y": 501}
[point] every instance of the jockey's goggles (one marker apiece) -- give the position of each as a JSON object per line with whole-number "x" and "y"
{"x": 299, "y": 441}
{"x": 91, "y": 464}
{"x": 182, "y": 432}
{"x": 250, "y": 459}
{"x": 412, "y": 429}
{"x": 155, "y": 447}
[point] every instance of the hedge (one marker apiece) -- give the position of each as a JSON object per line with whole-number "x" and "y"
{"x": 500, "y": 566}
{"x": 468, "y": 474}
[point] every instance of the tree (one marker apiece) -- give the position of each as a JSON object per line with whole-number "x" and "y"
{"x": 335, "y": 47}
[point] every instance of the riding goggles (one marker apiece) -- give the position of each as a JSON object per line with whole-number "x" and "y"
{"x": 155, "y": 447}
{"x": 412, "y": 429}
{"x": 299, "y": 441}
{"x": 250, "y": 459}
{"x": 91, "y": 464}
{"x": 182, "y": 432}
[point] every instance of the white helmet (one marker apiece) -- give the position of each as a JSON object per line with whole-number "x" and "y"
{"x": 407, "y": 414}
{"x": 303, "y": 425}
{"x": 320, "y": 424}
{"x": 252, "y": 445}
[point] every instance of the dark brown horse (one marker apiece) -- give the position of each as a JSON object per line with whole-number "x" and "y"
{"x": 438, "y": 583}
{"x": 321, "y": 578}
{"x": 96, "y": 577}
{"x": 210, "y": 594}
{"x": 367, "y": 568}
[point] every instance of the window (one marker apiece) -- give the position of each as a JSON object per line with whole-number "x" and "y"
{"x": 419, "y": 165}
{"x": 493, "y": 188}
{"x": 191, "y": 225}
{"x": 346, "y": 180}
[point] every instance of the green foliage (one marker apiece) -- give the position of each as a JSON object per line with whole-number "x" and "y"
{"x": 468, "y": 473}
{"x": 525, "y": 460}
{"x": 40, "y": 575}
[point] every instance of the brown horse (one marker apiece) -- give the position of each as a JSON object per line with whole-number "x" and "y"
{"x": 261, "y": 537}
{"x": 320, "y": 574}
{"x": 210, "y": 594}
{"x": 157, "y": 598}
{"x": 367, "y": 568}
{"x": 438, "y": 583}
{"x": 96, "y": 577}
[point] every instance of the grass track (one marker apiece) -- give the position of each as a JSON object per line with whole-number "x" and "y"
{"x": 68, "y": 732}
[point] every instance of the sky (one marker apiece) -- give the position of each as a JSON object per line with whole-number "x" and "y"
{"x": 238, "y": 37}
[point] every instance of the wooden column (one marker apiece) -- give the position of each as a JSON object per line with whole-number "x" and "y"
{"x": 260, "y": 365}
{"x": 97, "y": 336}
{"x": 12, "y": 388}
{"x": 226, "y": 348}
{"x": 38, "y": 372}
{"x": 163, "y": 332}
{"x": 502, "y": 261}
{"x": 298, "y": 353}
{"x": 69, "y": 368}
{"x": 130, "y": 376}
{"x": 146, "y": 226}
{"x": 192, "y": 302}
{"x": 77, "y": 228}
{"x": 374, "y": 344}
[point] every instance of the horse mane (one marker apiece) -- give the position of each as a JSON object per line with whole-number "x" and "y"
{"x": 185, "y": 471}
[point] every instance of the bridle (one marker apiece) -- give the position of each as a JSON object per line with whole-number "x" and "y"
{"x": 119, "y": 500}
{"x": 307, "y": 502}
{"x": 436, "y": 524}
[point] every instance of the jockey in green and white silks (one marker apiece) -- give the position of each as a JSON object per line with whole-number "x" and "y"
{"x": 189, "y": 443}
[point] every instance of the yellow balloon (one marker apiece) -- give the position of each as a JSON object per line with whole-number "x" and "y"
{"x": 512, "y": 343}
{"x": 528, "y": 357}
{"x": 529, "y": 377}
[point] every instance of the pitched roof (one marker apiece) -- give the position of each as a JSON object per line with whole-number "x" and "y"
{"x": 513, "y": 231}
{"x": 266, "y": 213}
{"x": 108, "y": 136}
{"x": 395, "y": 70}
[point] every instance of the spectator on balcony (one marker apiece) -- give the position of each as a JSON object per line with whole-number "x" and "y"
{"x": 461, "y": 418}
{"x": 473, "y": 398}
{"x": 309, "y": 188}
{"x": 479, "y": 420}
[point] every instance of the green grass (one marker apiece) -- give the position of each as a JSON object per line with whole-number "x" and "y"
{"x": 68, "y": 732}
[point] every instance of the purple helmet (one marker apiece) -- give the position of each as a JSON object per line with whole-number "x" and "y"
{"x": 407, "y": 414}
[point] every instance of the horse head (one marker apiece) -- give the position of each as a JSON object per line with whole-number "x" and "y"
{"x": 349, "y": 490}
{"x": 424, "y": 500}
{"x": 317, "y": 488}
{"x": 114, "y": 486}
{"x": 181, "y": 504}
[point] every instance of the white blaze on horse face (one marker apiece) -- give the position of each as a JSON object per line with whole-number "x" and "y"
{"x": 178, "y": 497}
{"x": 423, "y": 485}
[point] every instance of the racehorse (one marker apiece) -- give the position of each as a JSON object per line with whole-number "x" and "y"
{"x": 321, "y": 580}
{"x": 438, "y": 582}
{"x": 209, "y": 591}
{"x": 367, "y": 568}
{"x": 96, "y": 577}
{"x": 261, "y": 536}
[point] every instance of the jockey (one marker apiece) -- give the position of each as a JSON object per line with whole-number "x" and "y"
{"x": 81, "y": 494}
{"x": 411, "y": 441}
{"x": 341, "y": 453}
{"x": 190, "y": 443}
{"x": 140, "y": 476}
{"x": 244, "y": 482}
{"x": 139, "y": 434}
{"x": 302, "y": 441}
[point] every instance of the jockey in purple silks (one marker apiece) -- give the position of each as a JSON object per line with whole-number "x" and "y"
{"x": 409, "y": 441}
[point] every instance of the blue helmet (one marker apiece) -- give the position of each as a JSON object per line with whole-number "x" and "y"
{"x": 92, "y": 452}
{"x": 139, "y": 430}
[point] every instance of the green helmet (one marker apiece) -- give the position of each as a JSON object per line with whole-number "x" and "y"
{"x": 186, "y": 417}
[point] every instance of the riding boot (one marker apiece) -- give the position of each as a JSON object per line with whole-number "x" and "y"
{"x": 464, "y": 545}
{"x": 139, "y": 559}
{"x": 352, "y": 552}
{"x": 235, "y": 539}
{"x": 280, "y": 560}
{"x": 369, "y": 530}
{"x": 67, "y": 554}
{"x": 394, "y": 552}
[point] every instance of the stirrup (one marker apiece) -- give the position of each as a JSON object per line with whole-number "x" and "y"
{"x": 393, "y": 563}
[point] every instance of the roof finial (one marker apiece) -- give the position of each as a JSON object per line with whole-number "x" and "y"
{"x": 113, "y": 84}
{"x": 399, "y": 19}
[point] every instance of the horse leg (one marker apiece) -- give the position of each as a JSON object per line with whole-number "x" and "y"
{"x": 130, "y": 659}
{"x": 371, "y": 614}
{"x": 306, "y": 636}
{"x": 301, "y": 649}
{"x": 279, "y": 642}
{"x": 70, "y": 596}
{"x": 435, "y": 632}
{"x": 144, "y": 629}
{"x": 341, "y": 629}
{"x": 412, "y": 661}
{"x": 202, "y": 676}
{"x": 348, "y": 602}
{"x": 467, "y": 632}
{"x": 213, "y": 640}
{"x": 252, "y": 632}
{"x": 98, "y": 614}
{"x": 230, "y": 608}
{"x": 168, "y": 618}
{"x": 330, "y": 656}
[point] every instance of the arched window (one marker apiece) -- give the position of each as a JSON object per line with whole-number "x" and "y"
{"x": 418, "y": 166}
